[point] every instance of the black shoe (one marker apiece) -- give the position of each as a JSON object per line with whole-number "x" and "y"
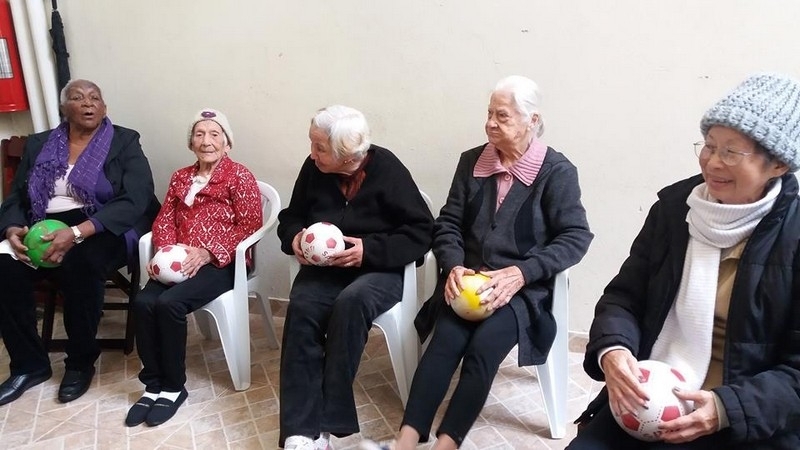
{"x": 163, "y": 409}
{"x": 74, "y": 384}
{"x": 16, "y": 385}
{"x": 138, "y": 412}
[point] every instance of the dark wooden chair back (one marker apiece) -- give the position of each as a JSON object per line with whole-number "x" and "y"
{"x": 11, "y": 150}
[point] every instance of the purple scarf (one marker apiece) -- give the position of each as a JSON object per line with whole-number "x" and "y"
{"x": 51, "y": 164}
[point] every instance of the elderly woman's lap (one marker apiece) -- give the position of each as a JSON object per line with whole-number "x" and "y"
{"x": 603, "y": 433}
{"x": 331, "y": 294}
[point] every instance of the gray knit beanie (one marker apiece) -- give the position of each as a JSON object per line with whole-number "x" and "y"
{"x": 765, "y": 107}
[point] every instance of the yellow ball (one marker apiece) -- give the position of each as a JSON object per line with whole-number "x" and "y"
{"x": 468, "y": 304}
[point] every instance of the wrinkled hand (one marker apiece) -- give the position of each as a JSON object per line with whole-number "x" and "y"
{"x": 298, "y": 251}
{"x": 453, "y": 286}
{"x": 197, "y": 258}
{"x": 622, "y": 381}
{"x": 351, "y": 257}
{"x": 505, "y": 283}
{"x": 149, "y": 268}
{"x": 60, "y": 243}
{"x": 15, "y": 235}
{"x": 702, "y": 421}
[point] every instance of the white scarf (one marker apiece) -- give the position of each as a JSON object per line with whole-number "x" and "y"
{"x": 685, "y": 339}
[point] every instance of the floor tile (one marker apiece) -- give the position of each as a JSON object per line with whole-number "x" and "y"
{"x": 215, "y": 416}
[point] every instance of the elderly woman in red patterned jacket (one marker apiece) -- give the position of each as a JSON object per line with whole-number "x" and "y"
{"x": 210, "y": 207}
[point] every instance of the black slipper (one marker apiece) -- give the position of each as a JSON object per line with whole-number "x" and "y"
{"x": 138, "y": 412}
{"x": 163, "y": 409}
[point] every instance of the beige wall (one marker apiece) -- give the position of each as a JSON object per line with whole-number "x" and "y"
{"x": 624, "y": 84}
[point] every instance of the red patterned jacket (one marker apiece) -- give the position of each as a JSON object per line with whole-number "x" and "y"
{"x": 224, "y": 212}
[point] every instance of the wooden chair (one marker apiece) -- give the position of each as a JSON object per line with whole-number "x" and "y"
{"x": 47, "y": 291}
{"x": 11, "y": 151}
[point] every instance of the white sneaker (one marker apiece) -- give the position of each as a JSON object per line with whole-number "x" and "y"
{"x": 372, "y": 445}
{"x": 299, "y": 443}
{"x": 323, "y": 442}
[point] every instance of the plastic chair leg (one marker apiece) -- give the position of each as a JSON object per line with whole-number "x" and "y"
{"x": 266, "y": 318}
{"x": 388, "y": 324}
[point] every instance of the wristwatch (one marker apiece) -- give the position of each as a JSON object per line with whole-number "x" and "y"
{"x": 78, "y": 235}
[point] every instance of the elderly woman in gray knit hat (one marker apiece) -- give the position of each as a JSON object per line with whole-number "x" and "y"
{"x": 711, "y": 287}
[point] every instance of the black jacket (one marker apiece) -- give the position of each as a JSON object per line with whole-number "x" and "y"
{"x": 134, "y": 204}
{"x": 761, "y": 367}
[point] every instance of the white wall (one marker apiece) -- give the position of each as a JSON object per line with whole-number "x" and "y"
{"x": 624, "y": 82}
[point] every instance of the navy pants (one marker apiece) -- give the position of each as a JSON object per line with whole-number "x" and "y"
{"x": 603, "y": 433}
{"x": 81, "y": 279}
{"x": 482, "y": 346}
{"x": 329, "y": 316}
{"x": 160, "y": 313}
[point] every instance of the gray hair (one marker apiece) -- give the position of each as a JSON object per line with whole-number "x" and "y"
{"x": 347, "y": 130}
{"x": 525, "y": 93}
{"x": 72, "y": 83}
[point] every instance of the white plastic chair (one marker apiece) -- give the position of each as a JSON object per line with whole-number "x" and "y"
{"x": 230, "y": 311}
{"x": 397, "y": 325}
{"x": 553, "y": 375}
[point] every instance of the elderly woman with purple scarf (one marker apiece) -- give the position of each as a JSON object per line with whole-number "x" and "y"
{"x": 94, "y": 177}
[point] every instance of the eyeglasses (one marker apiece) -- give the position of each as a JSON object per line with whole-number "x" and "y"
{"x": 727, "y": 155}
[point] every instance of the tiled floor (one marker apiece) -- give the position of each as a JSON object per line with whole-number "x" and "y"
{"x": 217, "y": 417}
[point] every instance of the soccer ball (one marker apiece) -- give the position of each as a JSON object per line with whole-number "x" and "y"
{"x": 659, "y": 379}
{"x": 320, "y": 242}
{"x": 36, "y": 246}
{"x": 167, "y": 264}
{"x": 468, "y": 304}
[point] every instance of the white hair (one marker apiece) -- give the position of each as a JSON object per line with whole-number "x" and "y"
{"x": 347, "y": 130}
{"x": 65, "y": 90}
{"x": 525, "y": 93}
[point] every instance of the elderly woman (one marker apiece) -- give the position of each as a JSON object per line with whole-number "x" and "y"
{"x": 93, "y": 176}
{"x": 210, "y": 207}
{"x": 368, "y": 193}
{"x": 514, "y": 214}
{"x": 711, "y": 287}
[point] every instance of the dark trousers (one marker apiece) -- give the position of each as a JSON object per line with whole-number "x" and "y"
{"x": 81, "y": 279}
{"x": 482, "y": 346}
{"x": 603, "y": 433}
{"x": 329, "y": 315}
{"x": 160, "y": 313}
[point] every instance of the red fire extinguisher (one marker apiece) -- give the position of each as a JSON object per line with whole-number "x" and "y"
{"x": 12, "y": 85}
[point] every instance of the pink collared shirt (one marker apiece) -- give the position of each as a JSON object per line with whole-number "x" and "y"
{"x": 524, "y": 170}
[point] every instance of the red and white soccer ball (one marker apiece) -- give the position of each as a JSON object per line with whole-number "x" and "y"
{"x": 659, "y": 379}
{"x": 320, "y": 242}
{"x": 167, "y": 264}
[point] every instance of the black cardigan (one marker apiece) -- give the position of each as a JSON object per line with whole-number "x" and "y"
{"x": 388, "y": 213}
{"x": 541, "y": 228}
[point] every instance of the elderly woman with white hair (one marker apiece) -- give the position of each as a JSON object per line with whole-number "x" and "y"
{"x": 514, "y": 214}
{"x": 370, "y": 195}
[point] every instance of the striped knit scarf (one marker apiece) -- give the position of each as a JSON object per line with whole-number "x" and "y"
{"x": 685, "y": 340}
{"x": 51, "y": 164}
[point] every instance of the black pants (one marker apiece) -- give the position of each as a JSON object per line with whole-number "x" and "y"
{"x": 329, "y": 315}
{"x": 603, "y": 433}
{"x": 81, "y": 279}
{"x": 483, "y": 346}
{"x": 160, "y": 313}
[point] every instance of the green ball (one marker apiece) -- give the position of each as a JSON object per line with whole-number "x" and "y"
{"x": 36, "y": 246}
